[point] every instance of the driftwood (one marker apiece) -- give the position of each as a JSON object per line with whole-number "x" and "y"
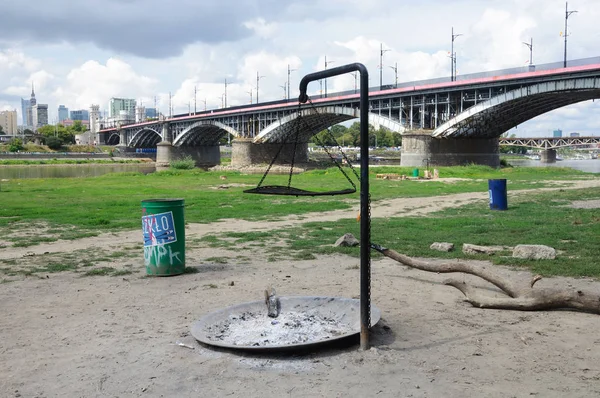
{"x": 522, "y": 297}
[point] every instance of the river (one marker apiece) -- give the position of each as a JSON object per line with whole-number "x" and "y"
{"x": 71, "y": 170}
{"x": 587, "y": 165}
{"x": 93, "y": 170}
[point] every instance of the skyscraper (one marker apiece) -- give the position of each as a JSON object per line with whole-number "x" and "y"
{"x": 32, "y": 102}
{"x": 24, "y": 112}
{"x": 39, "y": 113}
{"x": 63, "y": 113}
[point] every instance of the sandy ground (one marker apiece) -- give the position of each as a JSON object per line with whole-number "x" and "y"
{"x": 63, "y": 335}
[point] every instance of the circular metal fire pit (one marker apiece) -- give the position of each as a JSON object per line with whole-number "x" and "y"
{"x": 304, "y": 322}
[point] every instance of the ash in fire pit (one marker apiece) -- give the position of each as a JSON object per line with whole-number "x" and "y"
{"x": 303, "y": 321}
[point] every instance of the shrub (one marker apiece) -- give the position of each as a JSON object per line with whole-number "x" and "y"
{"x": 185, "y": 163}
{"x": 15, "y": 145}
{"x": 54, "y": 143}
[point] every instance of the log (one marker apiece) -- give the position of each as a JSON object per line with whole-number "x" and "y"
{"x": 521, "y": 297}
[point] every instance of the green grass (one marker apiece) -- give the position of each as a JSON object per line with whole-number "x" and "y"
{"x": 185, "y": 163}
{"x": 76, "y": 207}
{"x": 103, "y": 271}
{"x": 541, "y": 218}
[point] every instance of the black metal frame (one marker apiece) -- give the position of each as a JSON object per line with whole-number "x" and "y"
{"x": 365, "y": 216}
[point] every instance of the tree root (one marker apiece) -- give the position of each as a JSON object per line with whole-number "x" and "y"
{"x": 518, "y": 297}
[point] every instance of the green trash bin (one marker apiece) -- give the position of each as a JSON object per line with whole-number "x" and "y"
{"x": 164, "y": 236}
{"x": 415, "y": 172}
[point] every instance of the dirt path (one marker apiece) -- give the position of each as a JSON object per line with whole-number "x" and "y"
{"x": 63, "y": 335}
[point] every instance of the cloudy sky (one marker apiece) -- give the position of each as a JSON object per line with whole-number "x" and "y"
{"x": 144, "y": 49}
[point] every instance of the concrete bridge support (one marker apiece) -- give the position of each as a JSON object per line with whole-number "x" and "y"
{"x": 122, "y": 137}
{"x": 421, "y": 149}
{"x": 246, "y": 153}
{"x": 204, "y": 156}
{"x": 548, "y": 156}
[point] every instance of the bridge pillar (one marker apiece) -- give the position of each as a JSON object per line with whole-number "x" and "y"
{"x": 166, "y": 133}
{"x": 204, "y": 156}
{"x": 164, "y": 155}
{"x": 548, "y": 156}
{"x": 122, "y": 137}
{"x": 246, "y": 153}
{"x": 420, "y": 149}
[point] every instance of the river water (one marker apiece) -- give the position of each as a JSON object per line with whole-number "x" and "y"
{"x": 587, "y": 165}
{"x": 93, "y": 170}
{"x": 75, "y": 170}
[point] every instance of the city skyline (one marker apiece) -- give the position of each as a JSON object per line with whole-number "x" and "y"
{"x": 271, "y": 38}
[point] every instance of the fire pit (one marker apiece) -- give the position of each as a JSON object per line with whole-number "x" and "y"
{"x": 303, "y": 322}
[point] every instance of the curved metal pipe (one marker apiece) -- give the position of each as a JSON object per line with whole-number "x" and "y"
{"x": 365, "y": 216}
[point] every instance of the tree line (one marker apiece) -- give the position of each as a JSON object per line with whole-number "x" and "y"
{"x": 350, "y": 136}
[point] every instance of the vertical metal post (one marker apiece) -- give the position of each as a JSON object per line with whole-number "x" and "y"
{"x": 452, "y": 57}
{"x": 365, "y": 217}
{"x": 225, "y": 93}
{"x": 435, "y": 112}
{"x": 195, "y": 99}
{"x": 567, "y": 13}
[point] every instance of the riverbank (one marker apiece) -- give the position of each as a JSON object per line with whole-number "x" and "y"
{"x": 102, "y": 327}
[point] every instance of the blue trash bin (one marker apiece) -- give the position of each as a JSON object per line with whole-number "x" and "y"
{"x": 498, "y": 200}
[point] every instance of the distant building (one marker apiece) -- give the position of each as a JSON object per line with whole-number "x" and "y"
{"x": 8, "y": 121}
{"x": 95, "y": 122}
{"x": 70, "y": 122}
{"x": 116, "y": 105}
{"x": 39, "y": 115}
{"x": 24, "y": 111}
{"x": 140, "y": 114}
{"x": 557, "y": 133}
{"x": 26, "y": 106}
{"x": 80, "y": 114}
{"x": 151, "y": 113}
{"x": 63, "y": 113}
{"x": 574, "y": 134}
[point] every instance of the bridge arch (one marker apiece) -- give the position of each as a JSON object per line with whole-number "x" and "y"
{"x": 145, "y": 138}
{"x": 205, "y": 132}
{"x": 315, "y": 120}
{"x": 113, "y": 139}
{"x": 493, "y": 117}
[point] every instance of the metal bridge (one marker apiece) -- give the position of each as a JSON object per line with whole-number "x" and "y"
{"x": 482, "y": 105}
{"x": 552, "y": 142}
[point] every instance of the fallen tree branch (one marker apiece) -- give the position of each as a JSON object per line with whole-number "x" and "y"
{"x": 521, "y": 298}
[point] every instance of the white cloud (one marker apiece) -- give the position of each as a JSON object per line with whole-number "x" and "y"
{"x": 94, "y": 83}
{"x": 13, "y": 60}
{"x": 262, "y": 28}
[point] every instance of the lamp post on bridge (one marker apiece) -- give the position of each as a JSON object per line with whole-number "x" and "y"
{"x": 250, "y": 92}
{"x": 326, "y": 63}
{"x": 225, "y": 94}
{"x": 381, "y": 52}
{"x": 355, "y": 74}
{"x": 284, "y": 87}
{"x": 195, "y": 91}
{"x": 453, "y": 57}
{"x": 288, "y": 81}
{"x": 567, "y": 14}
{"x": 257, "y": 83}
{"x": 395, "y": 68}
{"x": 530, "y": 45}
